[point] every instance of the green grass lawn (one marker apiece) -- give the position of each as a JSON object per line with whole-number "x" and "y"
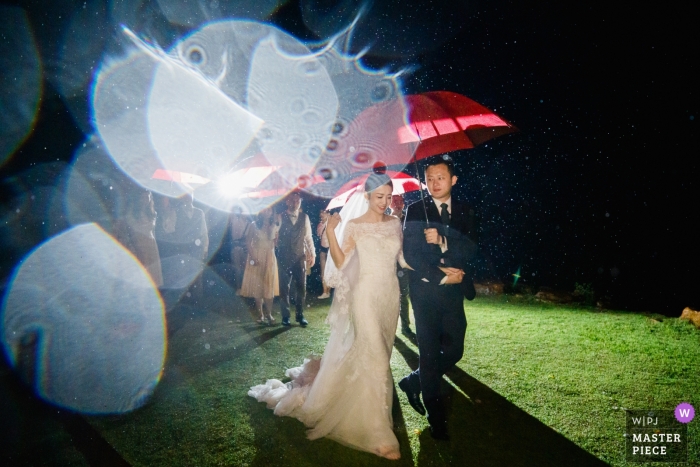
{"x": 538, "y": 385}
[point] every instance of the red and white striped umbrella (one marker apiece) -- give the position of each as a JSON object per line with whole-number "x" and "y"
{"x": 403, "y": 183}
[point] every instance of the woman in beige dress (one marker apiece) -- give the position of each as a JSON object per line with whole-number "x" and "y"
{"x": 260, "y": 278}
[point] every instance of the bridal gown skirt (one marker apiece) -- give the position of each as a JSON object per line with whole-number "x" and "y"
{"x": 347, "y": 395}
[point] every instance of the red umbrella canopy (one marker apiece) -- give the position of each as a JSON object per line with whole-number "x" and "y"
{"x": 444, "y": 121}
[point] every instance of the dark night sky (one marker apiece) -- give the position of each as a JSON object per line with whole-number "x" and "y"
{"x": 598, "y": 185}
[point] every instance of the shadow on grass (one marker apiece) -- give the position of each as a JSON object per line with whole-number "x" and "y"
{"x": 488, "y": 430}
{"x": 38, "y": 433}
{"x": 210, "y": 360}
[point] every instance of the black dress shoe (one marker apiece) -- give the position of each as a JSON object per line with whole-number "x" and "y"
{"x": 412, "y": 395}
{"x": 285, "y": 322}
{"x": 302, "y": 321}
{"x": 439, "y": 432}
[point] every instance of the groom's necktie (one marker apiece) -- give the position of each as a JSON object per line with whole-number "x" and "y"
{"x": 445, "y": 218}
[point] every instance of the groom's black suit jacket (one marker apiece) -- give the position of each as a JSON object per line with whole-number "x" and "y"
{"x": 438, "y": 309}
{"x": 425, "y": 258}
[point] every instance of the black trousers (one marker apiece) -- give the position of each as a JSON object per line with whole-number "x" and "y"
{"x": 440, "y": 329}
{"x": 403, "y": 290}
{"x": 294, "y": 272}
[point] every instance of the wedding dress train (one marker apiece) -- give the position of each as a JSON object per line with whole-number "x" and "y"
{"x": 347, "y": 394}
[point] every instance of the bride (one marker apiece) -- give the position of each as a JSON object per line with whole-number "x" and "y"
{"x": 347, "y": 395}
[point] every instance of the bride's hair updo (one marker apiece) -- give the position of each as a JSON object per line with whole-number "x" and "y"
{"x": 376, "y": 180}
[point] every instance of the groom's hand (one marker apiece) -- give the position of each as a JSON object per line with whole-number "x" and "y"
{"x": 432, "y": 236}
{"x": 454, "y": 275}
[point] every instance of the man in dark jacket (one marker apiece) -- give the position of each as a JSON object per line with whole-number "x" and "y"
{"x": 440, "y": 252}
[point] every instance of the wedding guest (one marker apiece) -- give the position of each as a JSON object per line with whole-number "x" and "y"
{"x": 323, "y": 249}
{"x": 136, "y": 231}
{"x": 261, "y": 277}
{"x": 397, "y": 209}
{"x": 295, "y": 252}
{"x": 192, "y": 228}
{"x": 183, "y": 240}
{"x": 240, "y": 225}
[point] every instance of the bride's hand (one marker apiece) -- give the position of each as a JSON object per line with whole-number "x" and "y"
{"x": 454, "y": 275}
{"x": 334, "y": 221}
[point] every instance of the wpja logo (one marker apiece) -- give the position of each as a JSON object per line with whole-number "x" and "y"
{"x": 658, "y": 435}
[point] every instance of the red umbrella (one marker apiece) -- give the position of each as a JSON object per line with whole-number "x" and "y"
{"x": 403, "y": 183}
{"x": 444, "y": 121}
{"x": 424, "y": 125}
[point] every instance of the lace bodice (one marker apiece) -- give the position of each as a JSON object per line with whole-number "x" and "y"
{"x": 378, "y": 245}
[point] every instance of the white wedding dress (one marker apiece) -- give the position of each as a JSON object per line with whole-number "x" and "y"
{"x": 347, "y": 395}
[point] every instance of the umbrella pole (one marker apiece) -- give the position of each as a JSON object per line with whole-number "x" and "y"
{"x": 420, "y": 184}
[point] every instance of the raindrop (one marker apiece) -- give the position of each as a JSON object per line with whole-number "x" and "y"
{"x": 362, "y": 158}
{"x": 310, "y": 67}
{"x": 326, "y": 173}
{"x": 207, "y": 346}
{"x": 296, "y": 141}
{"x": 381, "y": 92}
{"x": 265, "y": 134}
{"x": 338, "y": 127}
{"x": 311, "y": 117}
{"x": 195, "y": 56}
{"x": 315, "y": 152}
{"x": 304, "y": 181}
{"x": 297, "y": 106}
{"x": 332, "y": 145}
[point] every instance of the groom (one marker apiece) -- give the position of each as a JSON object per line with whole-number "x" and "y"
{"x": 440, "y": 254}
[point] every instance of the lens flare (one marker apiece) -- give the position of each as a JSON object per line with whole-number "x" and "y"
{"x": 20, "y": 80}
{"x": 84, "y": 321}
{"x": 192, "y": 13}
{"x": 234, "y": 90}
